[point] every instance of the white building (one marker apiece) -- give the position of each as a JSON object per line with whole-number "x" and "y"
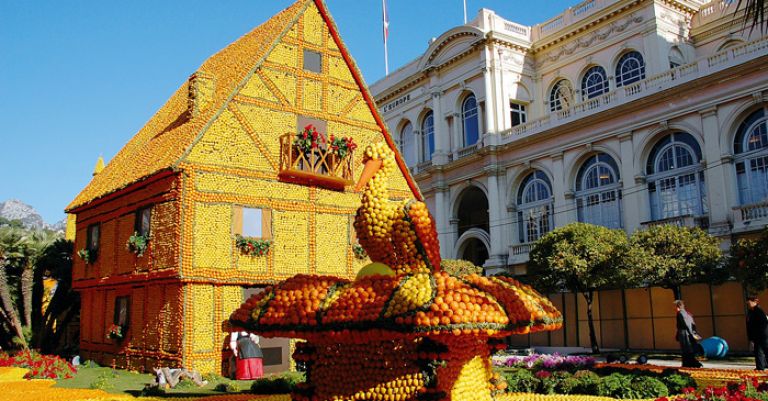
{"x": 624, "y": 113}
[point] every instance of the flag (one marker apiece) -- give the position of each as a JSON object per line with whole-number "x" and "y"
{"x": 385, "y": 19}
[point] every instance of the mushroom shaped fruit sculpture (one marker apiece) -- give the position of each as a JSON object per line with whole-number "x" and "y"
{"x": 412, "y": 333}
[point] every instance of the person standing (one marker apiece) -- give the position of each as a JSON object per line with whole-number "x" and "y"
{"x": 687, "y": 336}
{"x": 246, "y": 348}
{"x": 757, "y": 331}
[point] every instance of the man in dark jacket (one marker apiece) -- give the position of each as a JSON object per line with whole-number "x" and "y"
{"x": 757, "y": 331}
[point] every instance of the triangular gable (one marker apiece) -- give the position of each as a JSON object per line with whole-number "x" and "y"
{"x": 171, "y": 134}
{"x": 358, "y": 76}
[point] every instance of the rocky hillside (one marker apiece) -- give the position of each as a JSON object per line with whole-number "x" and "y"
{"x": 14, "y": 209}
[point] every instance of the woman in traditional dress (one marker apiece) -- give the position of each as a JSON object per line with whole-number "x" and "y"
{"x": 246, "y": 348}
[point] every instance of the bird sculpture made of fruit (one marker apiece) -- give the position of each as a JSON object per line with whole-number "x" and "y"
{"x": 402, "y": 330}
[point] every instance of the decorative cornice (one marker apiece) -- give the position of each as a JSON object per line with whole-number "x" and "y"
{"x": 595, "y": 37}
{"x": 580, "y": 28}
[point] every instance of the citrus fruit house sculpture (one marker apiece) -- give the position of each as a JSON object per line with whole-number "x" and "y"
{"x": 403, "y": 329}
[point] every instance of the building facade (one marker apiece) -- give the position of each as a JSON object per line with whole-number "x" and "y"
{"x": 215, "y": 198}
{"x": 623, "y": 113}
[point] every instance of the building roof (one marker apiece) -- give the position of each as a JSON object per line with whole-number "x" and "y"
{"x": 162, "y": 143}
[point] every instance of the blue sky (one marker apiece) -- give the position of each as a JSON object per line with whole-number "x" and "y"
{"x": 79, "y": 78}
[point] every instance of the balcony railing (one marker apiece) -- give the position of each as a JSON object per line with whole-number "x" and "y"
{"x": 518, "y": 253}
{"x": 745, "y": 215}
{"x": 647, "y": 87}
{"x": 319, "y": 166}
{"x": 689, "y": 221}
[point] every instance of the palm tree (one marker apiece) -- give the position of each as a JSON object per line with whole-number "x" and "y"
{"x": 11, "y": 249}
{"x": 754, "y": 12}
{"x": 56, "y": 263}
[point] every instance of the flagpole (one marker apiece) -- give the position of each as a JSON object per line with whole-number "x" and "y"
{"x": 465, "y": 12}
{"x": 385, "y": 21}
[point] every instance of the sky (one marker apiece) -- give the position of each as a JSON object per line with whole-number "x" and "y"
{"x": 79, "y": 78}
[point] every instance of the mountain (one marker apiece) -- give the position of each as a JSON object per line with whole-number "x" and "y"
{"x": 14, "y": 209}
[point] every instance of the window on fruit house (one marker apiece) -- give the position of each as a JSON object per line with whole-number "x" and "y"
{"x": 252, "y": 222}
{"x": 143, "y": 220}
{"x": 92, "y": 239}
{"x": 313, "y": 61}
{"x": 122, "y": 305}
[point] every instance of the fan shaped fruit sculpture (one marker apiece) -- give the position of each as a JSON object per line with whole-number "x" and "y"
{"x": 402, "y": 330}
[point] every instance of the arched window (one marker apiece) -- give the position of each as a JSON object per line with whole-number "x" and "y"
{"x": 427, "y": 136}
{"x": 676, "y": 177}
{"x": 598, "y": 198}
{"x": 630, "y": 69}
{"x": 676, "y": 58}
{"x": 469, "y": 120}
{"x": 408, "y": 145}
{"x": 751, "y": 149}
{"x": 534, "y": 207}
{"x": 560, "y": 96}
{"x": 594, "y": 83}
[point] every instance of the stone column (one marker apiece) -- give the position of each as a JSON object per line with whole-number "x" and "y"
{"x": 631, "y": 205}
{"x": 456, "y": 131}
{"x": 558, "y": 191}
{"x": 442, "y": 131}
{"x": 497, "y": 253}
{"x": 453, "y": 236}
{"x": 443, "y": 220}
{"x": 715, "y": 174}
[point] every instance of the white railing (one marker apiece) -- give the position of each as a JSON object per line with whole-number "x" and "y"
{"x": 517, "y": 28}
{"x": 569, "y": 17}
{"x": 552, "y": 24}
{"x": 520, "y": 249}
{"x": 423, "y": 165}
{"x": 583, "y": 7}
{"x": 746, "y": 214}
{"x": 466, "y": 151}
{"x": 689, "y": 221}
{"x": 713, "y": 10}
{"x": 518, "y": 253}
{"x": 647, "y": 87}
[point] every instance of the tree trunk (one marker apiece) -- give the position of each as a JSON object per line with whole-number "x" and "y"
{"x": 588, "y": 296}
{"x": 9, "y": 307}
{"x": 27, "y": 281}
{"x": 677, "y": 292}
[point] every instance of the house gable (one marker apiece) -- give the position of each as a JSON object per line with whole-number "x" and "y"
{"x": 279, "y": 90}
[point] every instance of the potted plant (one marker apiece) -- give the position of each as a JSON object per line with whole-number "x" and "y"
{"x": 138, "y": 243}
{"x": 115, "y": 332}
{"x": 359, "y": 251}
{"x": 339, "y": 148}
{"x": 252, "y": 246}
{"x": 87, "y": 255}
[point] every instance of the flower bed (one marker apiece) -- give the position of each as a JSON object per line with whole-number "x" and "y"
{"x": 746, "y": 390}
{"x": 577, "y": 376}
{"x": 704, "y": 377}
{"x": 40, "y": 366}
{"x": 545, "y": 361}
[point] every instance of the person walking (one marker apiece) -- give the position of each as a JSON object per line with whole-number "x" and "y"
{"x": 687, "y": 336}
{"x": 757, "y": 331}
{"x": 246, "y": 348}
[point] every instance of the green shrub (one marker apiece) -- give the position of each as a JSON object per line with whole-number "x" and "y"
{"x": 587, "y": 382}
{"x": 521, "y": 380}
{"x": 185, "y": 383}
{"x": 230, "y": 387}
{"x": 614, "y": 385}
{"x": 676, "y": 382}
{"x": 103, "y": 381}
{"x": 281, "y": 384}
{"x": 646, "y": 387}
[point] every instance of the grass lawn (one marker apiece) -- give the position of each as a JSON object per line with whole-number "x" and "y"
{"x": 119, "y": 381}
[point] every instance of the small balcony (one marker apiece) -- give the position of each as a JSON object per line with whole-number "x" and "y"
{"x": 319, "y": 166}
{"x": 752, "y": 216}
{"x": 688, "y": 220}
{"x": 518, "y": 253}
